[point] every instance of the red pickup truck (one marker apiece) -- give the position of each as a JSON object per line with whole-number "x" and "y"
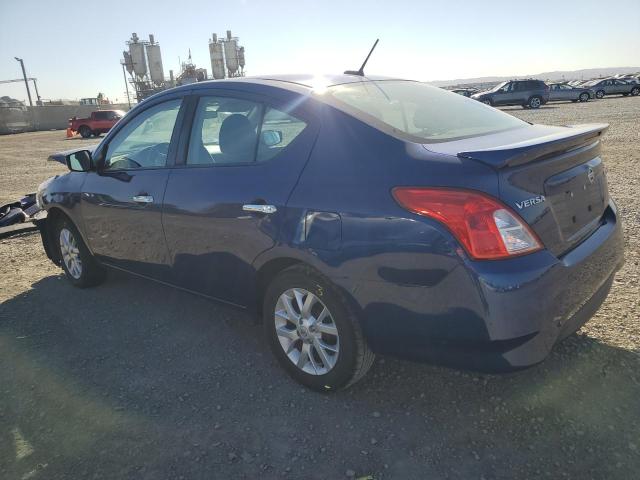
{"x": 99, "y": 122}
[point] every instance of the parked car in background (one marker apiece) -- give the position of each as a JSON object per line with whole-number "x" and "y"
{"x": 613, "y": 86}
{"x": 99, "y": 122}
{"x": 354, "y": 214}
{"x": 528, "y": 93}
{"x": 465, "y": 92}
{"x": 14, "y": 116}
{"x": 564, "y": 92}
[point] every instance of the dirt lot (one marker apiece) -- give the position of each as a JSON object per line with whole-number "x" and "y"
{"x": 135, "y": 380}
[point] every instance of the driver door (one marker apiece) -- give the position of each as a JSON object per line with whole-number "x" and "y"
{"x": 121, "y": 203}
{"x": 504, "y": 95}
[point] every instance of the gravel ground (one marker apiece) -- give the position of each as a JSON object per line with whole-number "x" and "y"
{"x": 135, "y": 380}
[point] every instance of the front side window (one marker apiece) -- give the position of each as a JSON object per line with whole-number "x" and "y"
{"x": 144, "y": 141}
{"x": 416, "y": 111}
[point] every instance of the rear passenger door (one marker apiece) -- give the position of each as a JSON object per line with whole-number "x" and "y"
{"x": 226, "y": 196}
{"x": 621, "y": 87}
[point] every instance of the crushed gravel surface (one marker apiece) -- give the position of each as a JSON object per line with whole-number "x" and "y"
{"x": 136, "y": 380}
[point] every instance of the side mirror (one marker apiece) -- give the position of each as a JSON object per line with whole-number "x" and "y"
{"x": 271, "y": 138}
{"x": 79, "y": 161}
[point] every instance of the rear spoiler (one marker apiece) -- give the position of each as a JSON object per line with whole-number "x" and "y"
{"x": 537, "y": 148}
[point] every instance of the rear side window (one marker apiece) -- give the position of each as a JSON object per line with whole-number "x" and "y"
{"x": 224, "y": 131}
{"x": 228, "y": 131}
{"x": 416, "y": 111}
{"x": 278, "y": 131}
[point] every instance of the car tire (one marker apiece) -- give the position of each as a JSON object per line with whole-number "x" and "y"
{"x": 96, "y": 134}
{"x": 600, "y": 94}
{"x": 584, "y": 97}
{"x": 84, "y": 131}
{"x": 488, "y": 102}
{"x": 325, "y": 356}
{"x": 635, "y": 91}
{"x": 534, "y": 102}
{"x": 79, "y": 265}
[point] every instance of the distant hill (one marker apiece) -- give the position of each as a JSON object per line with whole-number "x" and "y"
{"x": 585, "y": 74}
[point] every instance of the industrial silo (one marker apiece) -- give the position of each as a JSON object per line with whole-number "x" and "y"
{"x": 136, "y": 50}
{"x": 128, "y": 63}
{"x": 217, "y": 58}
{"x": 231, "y": 54}
{"x": 241, "y": 60}
{"x": 154, "y": 58}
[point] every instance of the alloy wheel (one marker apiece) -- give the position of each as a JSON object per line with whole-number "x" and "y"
{"x": 306, "y": 331}
{"x": 70, "y": 253}
{"x": 534, "y": 102}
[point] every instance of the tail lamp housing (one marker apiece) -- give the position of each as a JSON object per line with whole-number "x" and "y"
{"x": 486, "y": 228}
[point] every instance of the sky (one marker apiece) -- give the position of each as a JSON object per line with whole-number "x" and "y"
{"x": 74, "y": 48}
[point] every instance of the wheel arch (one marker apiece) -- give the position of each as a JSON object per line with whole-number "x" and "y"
{"x": 47, "y": 231}
{"x": 274, "y": 266}
{"x": 267, "y": 272}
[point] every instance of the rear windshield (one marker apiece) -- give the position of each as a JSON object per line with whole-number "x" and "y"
{"x": 417, "y": 112}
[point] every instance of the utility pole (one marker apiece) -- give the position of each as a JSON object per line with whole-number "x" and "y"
{"x": 26, "y": 82}
{"x": 126, "y": 85}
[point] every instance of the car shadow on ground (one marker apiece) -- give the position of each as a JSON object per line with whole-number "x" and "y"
{"x": 137, "y": 380}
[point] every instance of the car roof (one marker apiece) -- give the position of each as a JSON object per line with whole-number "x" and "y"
{"x": 294, "y": 82}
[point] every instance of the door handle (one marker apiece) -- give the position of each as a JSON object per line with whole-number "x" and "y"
{"x": 260, "y": 208}
{"x": 143, "y": 199}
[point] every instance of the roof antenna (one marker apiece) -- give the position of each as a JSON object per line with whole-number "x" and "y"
{"x": 360, "y": 72}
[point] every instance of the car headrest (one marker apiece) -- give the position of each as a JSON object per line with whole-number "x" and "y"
{"x": 237, "y": 136}
{"x": 423, "y": 118}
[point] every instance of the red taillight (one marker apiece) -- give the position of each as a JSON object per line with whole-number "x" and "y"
{"x": 486, "y": 228}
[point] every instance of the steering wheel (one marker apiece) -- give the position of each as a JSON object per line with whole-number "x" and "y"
{"x": 155, "y": 155}
{"x": 124, "y": 163}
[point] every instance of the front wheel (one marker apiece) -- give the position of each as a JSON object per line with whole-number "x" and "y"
{"x": 534, "y": 102}
{"x": 635, "y": 91}
{"x": 600, "y": 94}
{"x": 312, "y": 331}
{"x": 85, "y": 131}
{"x": 488, "y": 102}
{"x": 584, "y": 97}
{"x": 79, "y": 266}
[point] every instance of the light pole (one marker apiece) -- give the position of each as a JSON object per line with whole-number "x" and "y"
{"x": 126, "y": 85}
{"x": 35, "y": 85}
{"x": 24, "y": 74}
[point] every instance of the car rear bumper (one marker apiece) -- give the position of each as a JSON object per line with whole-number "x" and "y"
{"x": 494, "y": 316}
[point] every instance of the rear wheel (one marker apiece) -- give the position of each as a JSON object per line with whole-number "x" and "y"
{"x": 488, "y": 102}
{"x": 600, "y": 94}
{"x": 584, "y": 97}
{"x": 312, "y": 331}
{"x": 534, "y": 102}
{"x": 84, "y": 131}
{"x": 79, "y": 266}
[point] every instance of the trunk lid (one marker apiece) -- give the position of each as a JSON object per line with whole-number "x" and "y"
{"x": 553, "y": 177}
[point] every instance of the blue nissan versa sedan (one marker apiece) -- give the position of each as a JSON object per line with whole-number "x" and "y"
{"x": 354, "y": 214}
